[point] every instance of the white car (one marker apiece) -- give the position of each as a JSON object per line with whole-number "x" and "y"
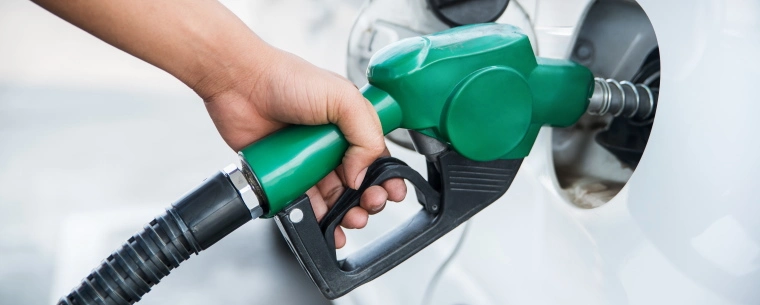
{"x": 89, "y": 134}
{"x": 589, "y": 219}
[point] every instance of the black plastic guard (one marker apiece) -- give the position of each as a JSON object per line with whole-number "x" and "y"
{"x": 466, "y": 188}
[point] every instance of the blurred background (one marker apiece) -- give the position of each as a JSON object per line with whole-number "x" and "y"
{"x": 94, "y": 143}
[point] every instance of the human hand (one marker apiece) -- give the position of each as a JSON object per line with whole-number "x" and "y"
{"x": 284, "y": 89}
{"x": 250, "y": 88}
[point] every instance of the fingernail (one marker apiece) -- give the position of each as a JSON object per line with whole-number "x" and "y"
{"x": 359, "y": 179}
{"x": 378, "y": 208}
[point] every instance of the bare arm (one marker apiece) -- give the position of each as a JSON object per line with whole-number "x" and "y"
{"x": 200, "y": 42}
{"x": 250, "y": 88}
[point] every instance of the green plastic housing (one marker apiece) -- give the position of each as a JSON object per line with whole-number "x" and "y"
{"x": 479, "y": 88}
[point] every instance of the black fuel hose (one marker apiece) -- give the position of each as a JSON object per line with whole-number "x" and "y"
{"x": 192, "y": 224}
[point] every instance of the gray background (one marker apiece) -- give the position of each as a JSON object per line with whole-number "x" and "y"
{"x": 94, "y": 143}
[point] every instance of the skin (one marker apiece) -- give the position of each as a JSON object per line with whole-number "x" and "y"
{"x": 250, "y": 88}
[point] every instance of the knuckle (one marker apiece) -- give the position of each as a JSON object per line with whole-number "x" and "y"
{"x": 377, "y": 147}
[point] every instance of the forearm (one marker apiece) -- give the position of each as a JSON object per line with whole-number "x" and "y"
{"x": 200, "y": 42}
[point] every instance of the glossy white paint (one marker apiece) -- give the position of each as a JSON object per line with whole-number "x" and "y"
{"x": 684, "y": 229}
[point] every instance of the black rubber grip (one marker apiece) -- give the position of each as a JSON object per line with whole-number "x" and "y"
{"x": 463, "y": 188}
{"x": 194, "y": 223}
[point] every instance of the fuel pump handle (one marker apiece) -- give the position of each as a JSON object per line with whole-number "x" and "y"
{"x": 478, "y": 87}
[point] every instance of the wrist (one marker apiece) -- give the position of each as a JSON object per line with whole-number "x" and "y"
{"x": 228, "y": 65}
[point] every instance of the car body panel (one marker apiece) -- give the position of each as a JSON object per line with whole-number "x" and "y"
{"x": 683, "y": 230}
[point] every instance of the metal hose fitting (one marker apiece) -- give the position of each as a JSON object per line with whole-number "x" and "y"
{"x": 622, "y": 99}
{"x": 218, "y": 206}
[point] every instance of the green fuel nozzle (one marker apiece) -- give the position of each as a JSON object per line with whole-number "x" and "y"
{"x": 479, "y": 88}
{"x": 476, "y": 90}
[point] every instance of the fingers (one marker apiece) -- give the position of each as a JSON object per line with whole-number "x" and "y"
{"x": 356, "y": 218}
{"x": 320, "y": 210}
{"x": 373, "y": 199}
{"x": 340, "y": 238}
{"x": 317, "y": 203}
{"x": 396, "y": 189}
{"x": 330, "y": 188}
{"x": 358, "y": 122}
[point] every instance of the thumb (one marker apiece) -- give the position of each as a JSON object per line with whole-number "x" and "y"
{"x": 358, "y": 121}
